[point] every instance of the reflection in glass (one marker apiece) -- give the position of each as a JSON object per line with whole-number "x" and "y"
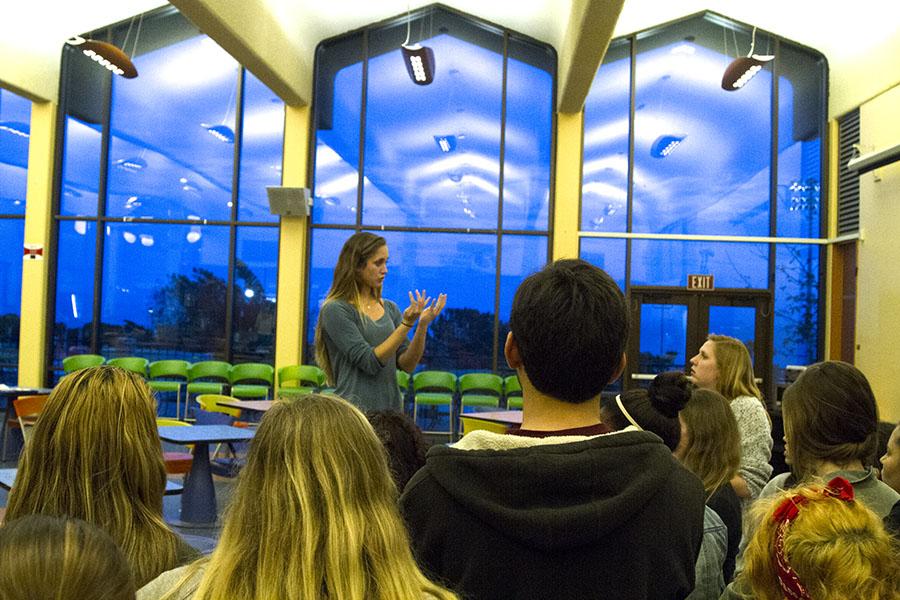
{"x": 734, "y": 265}
{"x": 12, "y": 236}
{"x": 604, "y": 189}
{"x": 801, "y": 107}
{"x": 738, "y": 322}
{"x": 716, "y": 180}
{"x": 81, "y": 169}
{"x": 15, "y": 131}
{"x": 410, "y": 178}
{"x": 796, "y": 305}
{"x": 255, "y": 290}
{"x": 261, "y": 143}
{"x": 325, "y": 247}
{"x": 164, "y": 160}
{"x": 164, "y": 291}
{"x": 607, "y": 254}
{"x": 339, "y": 72}
{"x": 663, "y": 338}
{"x": 529, "y": 123}
{"x": 73, "y": 328}
{"x": 522, "y": 255}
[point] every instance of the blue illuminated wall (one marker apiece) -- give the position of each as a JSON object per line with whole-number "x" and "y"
{"x": 455, "y": 175}
{"x": 745, "y": 163}
{"x": 15, "y": 119}
{"x": 166, "y": 248}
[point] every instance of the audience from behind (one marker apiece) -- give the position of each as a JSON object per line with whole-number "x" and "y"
{"x": 819, "y": 542}
{"x": 657, "y": 410}
{"x": 710, "y": 448}
{"x": 830, "y": 423}
{"x": 560, "y": 508}
{"x": 890, "y": 474}
{"x": 52, "y": 558}
{"x": 314, "y": 515}
{"x": 403, "y": 441}
{"x": 95, "y": 455}
{"x": 723, "y": 364}
{"x": 654, "y": 409}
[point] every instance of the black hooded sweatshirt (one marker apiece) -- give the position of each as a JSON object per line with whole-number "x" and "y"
{"x": 613, "y": 516}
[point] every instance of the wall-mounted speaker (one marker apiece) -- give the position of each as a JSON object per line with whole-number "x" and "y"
{"x": 289, "y": 201}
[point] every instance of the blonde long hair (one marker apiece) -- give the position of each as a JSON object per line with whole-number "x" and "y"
{"x": 314, "y": 515}
{"x": 62, "y": 559}
{"x": 356, "y": 251}
{"x": 838, "y": 549}
{"x": 712, "y": 446}
{"x": 735, "y": 368}
{"x": 95, "y": 455}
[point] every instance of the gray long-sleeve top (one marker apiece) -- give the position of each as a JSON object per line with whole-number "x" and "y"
{"x": 350, "y": 339}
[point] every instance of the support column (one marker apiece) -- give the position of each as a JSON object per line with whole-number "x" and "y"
{"x": 38, "y": 213}
{"x": 293, "y": 243}
{"x": 569, "y": 144}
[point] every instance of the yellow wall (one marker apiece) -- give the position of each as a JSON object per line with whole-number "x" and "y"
{"x": 878, "y": 284}
{"x": 568, "y": 184}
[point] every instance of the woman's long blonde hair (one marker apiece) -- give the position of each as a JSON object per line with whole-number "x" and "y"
{"x": 95, "y": 455}
{"x": 314, "y": 515}
{"x": 356, "y": 251}
{"x": 62, "y": 559}
{"x": 838, "y": 549}
{"x": 711, "y": 449}
{"x": 735, "y": 368}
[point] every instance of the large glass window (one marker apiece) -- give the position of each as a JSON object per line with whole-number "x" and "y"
{"x": 15, "y": 131}
{"x": 454, "y": 174}
{"x": 672, "y": 161}
{"x": 166, "y": 248}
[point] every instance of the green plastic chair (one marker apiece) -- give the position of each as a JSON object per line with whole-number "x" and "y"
{"x": 76, "y": 362}
{"x": 481, "y": 390}
{"x": 403, "y": 381}
{"x": 513, "y": 391}
{"x": 434, "y": 388}
{"x": 135, "y": 364}
{"x": 261, "y": 375}
{"x": 169, "y": 376}
{"x": 206, "y": 377}
{"x": 295, "y": 380}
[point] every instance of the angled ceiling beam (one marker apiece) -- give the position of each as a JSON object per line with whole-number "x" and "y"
{"x": 249, "y": 32}
{"x": 591, "y": 25}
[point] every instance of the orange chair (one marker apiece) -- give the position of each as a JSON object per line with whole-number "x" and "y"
{"x": 177, "y": 463}
{"x": 27, "y": 409}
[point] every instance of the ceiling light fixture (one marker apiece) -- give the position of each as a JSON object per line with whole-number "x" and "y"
{"x": 447, "y": 143}
{"x": 223, "y": 132}
{"x": 419, "y": 60}
{"x": 132, "y": 165}
{"x": 744, "y": 68}
{"x": 665, "y": 144}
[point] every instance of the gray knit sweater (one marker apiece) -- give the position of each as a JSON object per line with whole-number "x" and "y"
{"x": 756, "y": 442}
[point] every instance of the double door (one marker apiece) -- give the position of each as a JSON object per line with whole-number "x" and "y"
{"x": 670, "y": 324}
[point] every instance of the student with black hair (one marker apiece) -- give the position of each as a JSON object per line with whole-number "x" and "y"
{"x": 561, "y": 508}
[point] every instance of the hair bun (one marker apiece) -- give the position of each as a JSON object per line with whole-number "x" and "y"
{"x": 669, "y": 392}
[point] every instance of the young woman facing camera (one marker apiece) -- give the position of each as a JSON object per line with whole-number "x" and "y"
{"x": 361, "y": 338}
{"x": 314, "y": 515}
{"x": 723, "y": 364}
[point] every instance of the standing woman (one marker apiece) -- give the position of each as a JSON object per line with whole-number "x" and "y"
{"x": 361, "y": 338}
{"x": 723, "y": 364}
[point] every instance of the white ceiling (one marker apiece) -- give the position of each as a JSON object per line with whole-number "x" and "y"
{"x": 849, "y": 37}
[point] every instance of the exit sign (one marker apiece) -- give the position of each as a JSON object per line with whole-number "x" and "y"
{"x": 700, "y": 282}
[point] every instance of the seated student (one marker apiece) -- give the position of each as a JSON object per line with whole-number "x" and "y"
{"x": 657, "y": 410}
{"x": 710, "y": 448}
{"x": 95, "y": 455}
{"x": 890, "y": 474}
{"x": 403, "y": 441}
{"x": 819, "y": 542}
{"x": 556, "y": 510}
{"x": 314, "y": 515}
{"x": 51, "y": 558}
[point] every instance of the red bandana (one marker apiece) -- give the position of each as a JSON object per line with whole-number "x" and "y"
{"x": 786, "y": 512}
